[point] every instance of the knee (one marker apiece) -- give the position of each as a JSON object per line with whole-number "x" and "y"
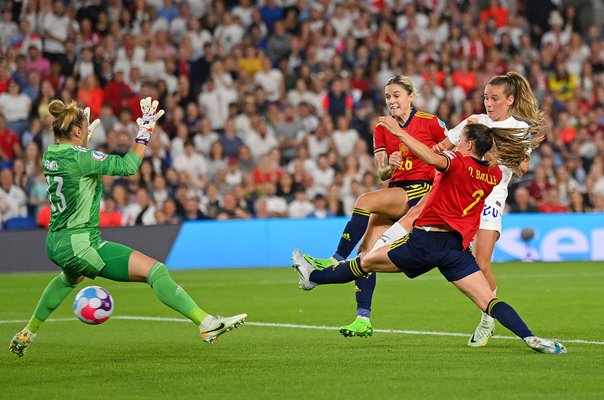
{"x": 156, "y": 272}
{"x": 362, "y": 201}
{"x": 71, "y": 280}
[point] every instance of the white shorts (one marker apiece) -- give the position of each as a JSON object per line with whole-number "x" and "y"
{"x": 490, "y": 219}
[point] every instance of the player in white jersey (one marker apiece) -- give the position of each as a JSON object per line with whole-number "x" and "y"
{"x": 509, "y": 103}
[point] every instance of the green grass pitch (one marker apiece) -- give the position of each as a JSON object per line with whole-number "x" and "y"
{"x": 288, "y": 351}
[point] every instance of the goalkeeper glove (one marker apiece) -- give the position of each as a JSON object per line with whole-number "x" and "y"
{"x": 91, "y": 126}
{"x": 146, "y": 123}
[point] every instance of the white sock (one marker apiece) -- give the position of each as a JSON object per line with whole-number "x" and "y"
{"x": 395, "y": 232}
{"x": 365, "y": 318}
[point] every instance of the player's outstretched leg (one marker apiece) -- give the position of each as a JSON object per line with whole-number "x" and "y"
{"x": 53, "y": 295}
{"x": 212, "y": 327}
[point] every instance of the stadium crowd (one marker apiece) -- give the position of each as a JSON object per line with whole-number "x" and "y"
{"x": 270, "y": 105}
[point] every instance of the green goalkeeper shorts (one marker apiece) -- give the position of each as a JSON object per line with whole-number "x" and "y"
{"x": 83, "y": 253}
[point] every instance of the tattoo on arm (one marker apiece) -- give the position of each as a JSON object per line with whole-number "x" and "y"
{"x": 383, "y": 168}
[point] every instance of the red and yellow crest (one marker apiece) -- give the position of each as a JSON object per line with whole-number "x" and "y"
{"x": 403, "y": 149}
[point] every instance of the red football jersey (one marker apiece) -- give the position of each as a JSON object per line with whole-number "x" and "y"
{"x": 426, "y": 128}
{"x": 458, "y": 195}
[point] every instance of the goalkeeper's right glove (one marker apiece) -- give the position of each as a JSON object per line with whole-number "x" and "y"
{"x": 146, "y": 123}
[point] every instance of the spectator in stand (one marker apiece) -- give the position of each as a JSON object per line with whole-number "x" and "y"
{"x": 271, "y": 80}
{"x": 38, "y": 194}
{"x": 558, "y": 35}
{"x": 9, "y": 144}
{"x": 214, "y": 103}
{"x": 141, "y": 212}
{"x": 91, "y": 95}
{"x": 337, "y": 102}
{"x": 13, "y": 200}
{"x": 37, "y": 61}
{"x": 344, "y": 136}
{"x": 205, "y": 137}
{"x": 539, "y": 186}
{"x": 230, "y": 209}
{"x": 191, "y": 162}
{"x": 266, "y": 171}
{"x": 321, "y": 140}
{"x": 323, "y": 175}
{"x": 109, "y": 215}
{"x": 261, "y": 139}
{"x": 276, "y": 206}
{"x": 217, "y": 163}
{"x": 577, "y": 203}
{"x": 57, "y": 26}
{"x": 117, "y": 92}
{"x": 522, "y": 202}
{"x": 229, "y": 33}
{"x": 320, "y": 208}
{"x": 230, "y": 141}
{"x": 333, "y": 200}
{"x": 192, "y": 211}
{"x": 551, "y": 202}
{"x": 171, "y": 217}
{"x": 286, "y": 187}
{"x": 16, "y": 107}
{"x": 300, "y": 207}
{"x": 562, "y": 84}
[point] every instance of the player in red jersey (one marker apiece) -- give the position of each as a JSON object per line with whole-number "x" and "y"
{"x": 509, "y": 103}
{"x": 446, "y": 225}
{"x": 410, "y": 180}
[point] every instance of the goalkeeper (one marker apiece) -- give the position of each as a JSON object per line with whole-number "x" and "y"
{"x": 73, "y": 173}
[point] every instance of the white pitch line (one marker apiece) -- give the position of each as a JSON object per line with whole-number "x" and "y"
{"x": 297, "y": 326}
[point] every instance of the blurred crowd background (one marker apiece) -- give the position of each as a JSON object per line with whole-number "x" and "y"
{"x": 270, "y": 105}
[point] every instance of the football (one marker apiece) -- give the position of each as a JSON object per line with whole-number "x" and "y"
{"x": 93, "y": 305}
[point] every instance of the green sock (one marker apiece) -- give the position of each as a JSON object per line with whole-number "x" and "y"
{"x": 173, "y": 295}
{"x": 56, "y": 291}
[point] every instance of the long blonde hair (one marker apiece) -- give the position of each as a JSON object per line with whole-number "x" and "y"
{"x": 525, "y": 106}
{"x": 507, "y": 146}
{"x": 66, "y": 117}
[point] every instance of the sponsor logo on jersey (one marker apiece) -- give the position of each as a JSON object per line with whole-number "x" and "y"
{"x": 97, "y": 155}
{"x": 51, "y": 165}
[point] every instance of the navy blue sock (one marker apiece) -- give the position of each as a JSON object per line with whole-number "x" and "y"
{"x": 353, "y": 232}
{"x": 365, "y": 286}
{"x": 508, "y": 317}
{"x": 343, "y": 272}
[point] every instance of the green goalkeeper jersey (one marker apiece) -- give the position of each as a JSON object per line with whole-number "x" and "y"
{"x": 73, "y": 174}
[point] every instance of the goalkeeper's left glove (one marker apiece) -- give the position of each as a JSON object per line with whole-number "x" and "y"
{"x": 91, "y": 126}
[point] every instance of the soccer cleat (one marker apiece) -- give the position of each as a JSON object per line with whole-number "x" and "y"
{"x": 304, "y": 269}
{"x": 360, "y": 327}
{"x": 320, "y": 263}
{"x": 482, "y": 334}
{"x": 219, "y": 325}
{"x": 547, "y": 346}
{"x": 21, "y": 342}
